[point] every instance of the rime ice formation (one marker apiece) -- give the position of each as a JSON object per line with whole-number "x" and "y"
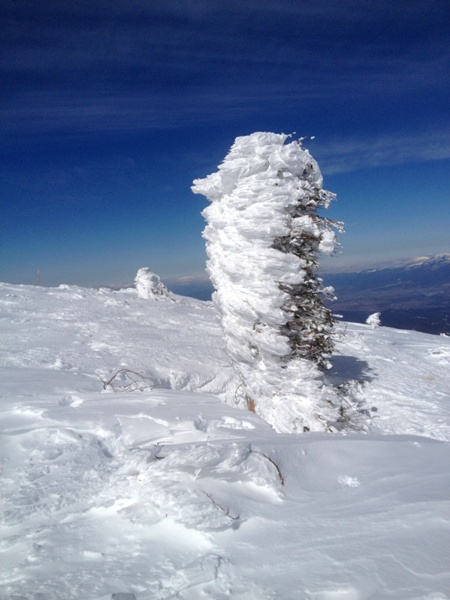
{"x": 374, "y": 320}
{"x": 149, "y": 285}
{"x": 263, "y": 238}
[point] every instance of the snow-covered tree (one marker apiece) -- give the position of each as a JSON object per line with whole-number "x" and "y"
{"x": 149, "y": 285}
{"x": 374, "y": 320}
{"x": 264, "y": 236}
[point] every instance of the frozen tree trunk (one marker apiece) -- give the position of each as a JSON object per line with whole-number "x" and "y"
{"x": 263, "y": 240}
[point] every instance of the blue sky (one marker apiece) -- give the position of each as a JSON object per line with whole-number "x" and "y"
{"x": 110, "y": 109}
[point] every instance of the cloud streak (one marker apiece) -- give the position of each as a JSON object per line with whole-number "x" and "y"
{"x": 346, "y": 155}
{"x": 127, "y": 61}
{"x": 105, "y": 67}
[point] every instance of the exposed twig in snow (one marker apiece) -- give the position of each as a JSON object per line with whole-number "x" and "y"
{"x": 340, "y": 336}
{"x": 271, "y": 461}
{"x": 224, "y": 510}
{"x": 126, "y": 387}
{"x": 156, "y": 455}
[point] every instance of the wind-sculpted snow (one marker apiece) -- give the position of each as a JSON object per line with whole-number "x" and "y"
{"x": 162, "y": 493}
{"x": 403, "y": 378}
{"x": 94, "y": 334}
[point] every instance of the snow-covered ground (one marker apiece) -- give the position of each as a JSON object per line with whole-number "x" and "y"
{"x": 150, "y": 487}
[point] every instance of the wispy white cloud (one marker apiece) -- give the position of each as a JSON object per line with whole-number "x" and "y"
{"x": 50, "y": 112}
{"x": 352, "y": 154}
{"x": 136, "y": 66}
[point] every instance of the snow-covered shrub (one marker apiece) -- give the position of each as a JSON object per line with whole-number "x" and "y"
{"x": 263, "y": 238}
{"x": 149, "y": 285}
{"x": 374, "y": 320}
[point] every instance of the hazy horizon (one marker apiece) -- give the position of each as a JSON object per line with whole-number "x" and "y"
{"x": 202, "y": 281}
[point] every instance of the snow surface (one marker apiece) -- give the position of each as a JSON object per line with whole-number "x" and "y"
{"x": 145, "y": 485}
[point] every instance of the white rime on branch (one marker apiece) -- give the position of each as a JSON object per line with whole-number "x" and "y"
{"x": 374, "y": 320}
{"x": 149, "y": 285}
{"x": 263, "y": 238}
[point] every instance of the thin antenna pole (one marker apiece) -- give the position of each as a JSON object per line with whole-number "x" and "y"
{"x": 38, "y": 278}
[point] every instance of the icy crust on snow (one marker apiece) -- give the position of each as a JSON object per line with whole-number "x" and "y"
{"x": 158, "y": 493}
{"x": 172, "y": 494}
{"x": 95, "y": 335}
{"x": 257, "y": 186}
{"x": 402, "y": 378}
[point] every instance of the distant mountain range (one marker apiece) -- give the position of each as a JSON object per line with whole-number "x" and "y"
{"x": 414, "y": 295}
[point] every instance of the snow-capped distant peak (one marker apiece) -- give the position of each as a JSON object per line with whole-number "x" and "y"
{"x": 419, "y": 261}
{"x": 440, "y": 259}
